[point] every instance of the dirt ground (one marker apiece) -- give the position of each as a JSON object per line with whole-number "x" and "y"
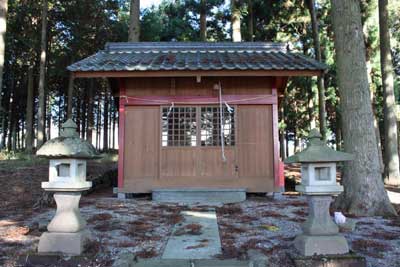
{"x": 142, "y": 227}
{"x": 20, "y": 190}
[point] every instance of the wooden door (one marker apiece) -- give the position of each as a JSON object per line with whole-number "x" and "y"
{"x": 255, "y": 146}
{"x": 141, "y": 160}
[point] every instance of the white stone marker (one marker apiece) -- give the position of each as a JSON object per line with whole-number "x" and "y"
{"x": 318, "y": 181}
{"x": 67, "y": 178}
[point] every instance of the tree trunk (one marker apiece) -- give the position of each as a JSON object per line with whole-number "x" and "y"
{"x": 287, "y": 143}
{"x": 134, "y": 21}
{"x": 203, "y": 20}
{"x": 114, "y": 123}
{"x": 338, "y": 132}
{"x": 29, "y": 112}
{"x": 3, "y": 29}
{"x": 48, "y": 118}
{"x": 310, "y": 106}
{"x": 110, "y": 119}
{"x": 14, "y": 129}
{"x": 10, "y": 120}
{"x": 98, "y": 124}
{"x": 90, "y": 115}
{"x": 235, "y": 21}
{"x": 84, "y": 112}
{"x": 392, "y": 168}
{"x": 4, "y": 124}
{"x": 105, "y": 124}
{"x": 42, "y": 99}
{"x": 320, "y": 82}
{"x": 70, "y": 95}
{"x": 282, "y": 134}
{"x": 251, "y": 20}
{"x": 78, "y": 114}
{"x": 364, "y": 192}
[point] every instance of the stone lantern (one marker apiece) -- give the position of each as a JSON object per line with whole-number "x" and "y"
{"x": 67, "y": 178}
{"x": 318, "y": 181}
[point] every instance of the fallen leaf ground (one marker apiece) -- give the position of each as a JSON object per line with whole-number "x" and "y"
{"x": 142, "y": 227}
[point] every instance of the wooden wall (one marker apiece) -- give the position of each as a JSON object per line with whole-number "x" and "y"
{"x": 190, "y": 87}
{"x": 250, "y": 163}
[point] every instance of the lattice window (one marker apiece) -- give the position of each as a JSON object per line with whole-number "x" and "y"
{"x": 210, "y": 124}
{"x": 179, "y": 126}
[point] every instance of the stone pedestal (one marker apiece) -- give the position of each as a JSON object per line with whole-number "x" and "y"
{"x": 68, "y": 218}
{"x": 66, "y": 232}
{"x": 320, "y": 234}
{"x": 65, "y": 243}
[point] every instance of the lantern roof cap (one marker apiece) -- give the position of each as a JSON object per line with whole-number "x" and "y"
{"x": 68, "y": 145}
{"x": 317, "y": 151}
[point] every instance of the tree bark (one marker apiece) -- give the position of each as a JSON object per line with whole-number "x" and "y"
{"x": 98, "y": 123}
{"x": 203, "y": 20}
{"x": 338, "y": 132}
{"x": 134, "y": 21}
{"x": 48, "y": 118}
{"x": 251, "y": 20}
{"x": 320, "y": 81}
{"x": 105, "y": 117}
{"x": 84, "y": 112}
{"x": 4, "y": 121}
{"x": 3, "y": 29}
{"x": 282, "y": 134}
{"x": 42, "y": 99}
{"x": 392, "y": 166}
{"x": 10, "y": 120}
{"x": 29, "y": 112}
{"x": 14, "y": 129}
{"x": 235, "y": 21}
{"x": 90, "y": 117}
{"x": 78, "y": 114}
{"x": 364, "y": 192}
{"x": 70, "y": 95}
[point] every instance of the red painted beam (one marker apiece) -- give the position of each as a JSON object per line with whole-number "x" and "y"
{"x": 205, "y": 100}
{"x": 121, "y": 133}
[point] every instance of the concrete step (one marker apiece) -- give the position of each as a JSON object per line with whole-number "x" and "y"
{"x": 199, "y": 195}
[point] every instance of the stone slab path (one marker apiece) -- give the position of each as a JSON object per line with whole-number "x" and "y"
{"x": 197, "y": 237}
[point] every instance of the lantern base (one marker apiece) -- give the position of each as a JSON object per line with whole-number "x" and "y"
{"x": 64, "y": 243}
{"x": 321, "y": 245}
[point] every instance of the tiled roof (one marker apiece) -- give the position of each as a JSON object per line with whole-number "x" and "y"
{"x": 195, "y": 56}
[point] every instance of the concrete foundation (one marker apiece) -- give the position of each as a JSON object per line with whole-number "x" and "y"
{"x": 65, "y": 243}
{"x": 199, "y": 195}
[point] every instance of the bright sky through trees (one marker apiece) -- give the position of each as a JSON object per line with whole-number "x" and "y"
{"x": 149, "y": 3}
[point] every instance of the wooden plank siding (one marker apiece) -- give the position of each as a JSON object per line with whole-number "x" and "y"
{"x": 146, "y": 164}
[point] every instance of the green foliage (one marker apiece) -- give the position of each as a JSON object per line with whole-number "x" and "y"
{"x": 179, "y": 21}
